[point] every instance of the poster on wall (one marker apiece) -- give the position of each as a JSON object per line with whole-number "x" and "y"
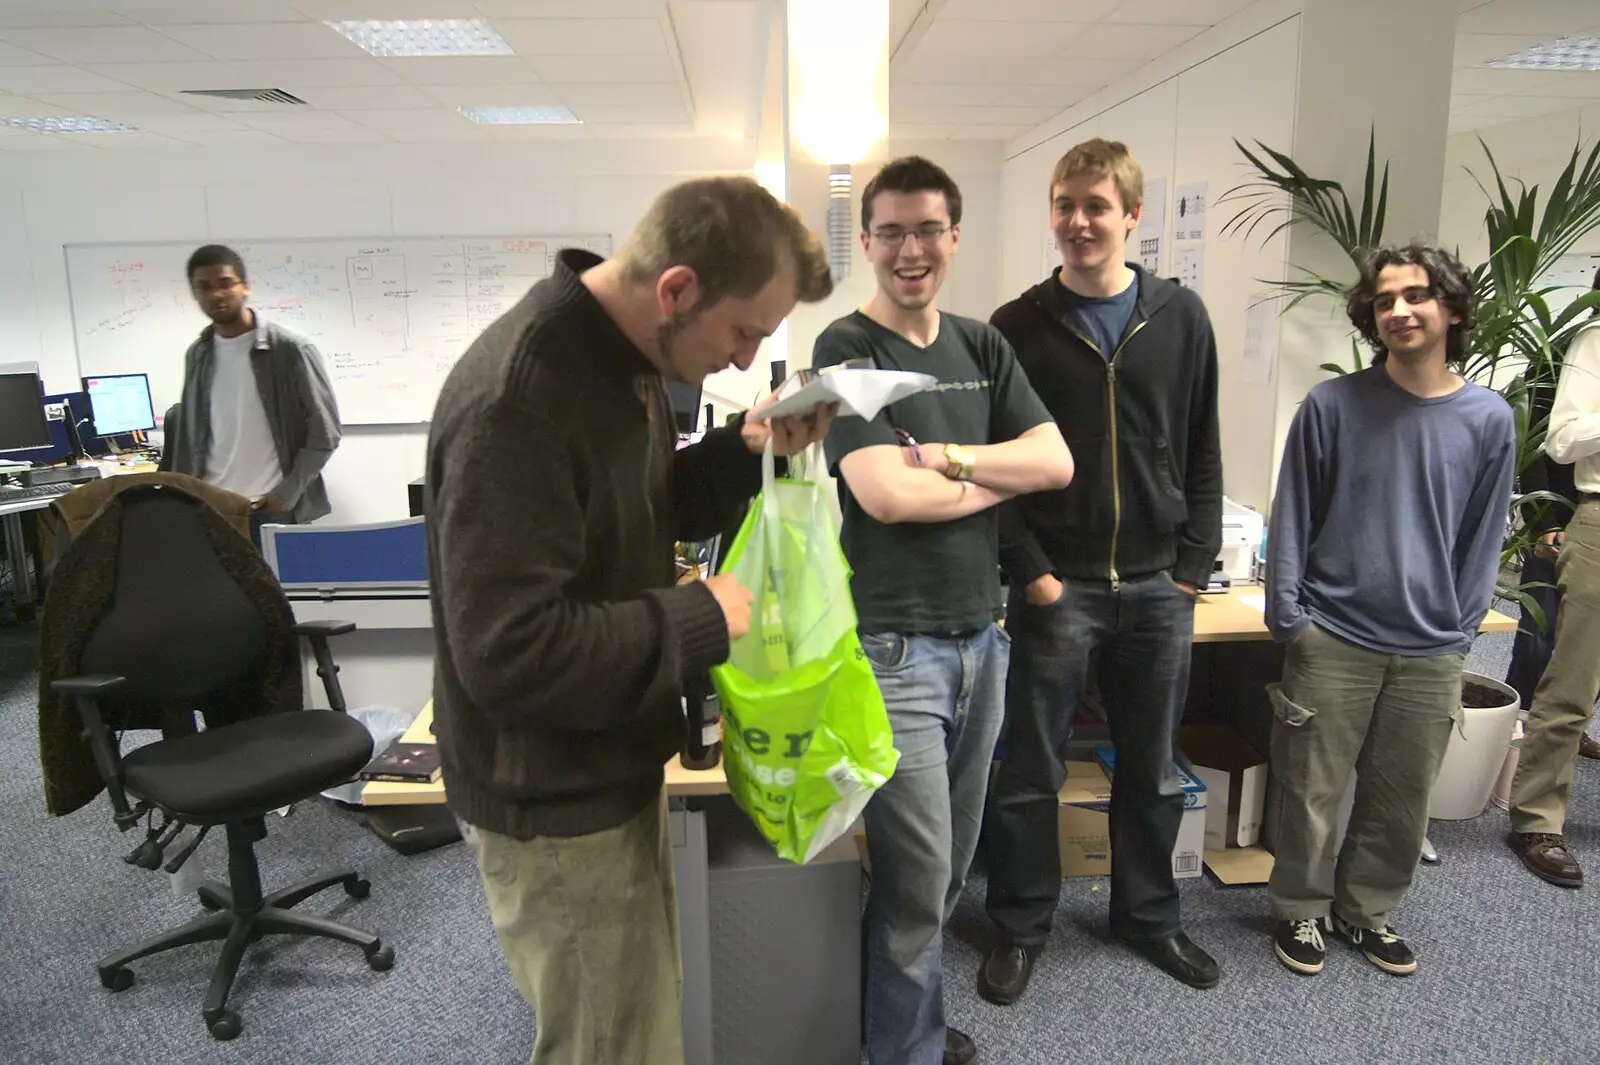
{"x": 1052, "y": 255}
{"x": 1189, "y": 205}
{"x": 1153, "y": 225}
{"x": 1189, "y": 267}
{"x": 1260, "y": 338}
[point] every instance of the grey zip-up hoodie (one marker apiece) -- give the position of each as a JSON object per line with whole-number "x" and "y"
{"x": 300, "y": 406}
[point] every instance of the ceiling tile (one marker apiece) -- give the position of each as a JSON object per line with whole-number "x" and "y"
{"x": 1549, "y": 18}
{"x": 188, "y": 125}
{"x": 1001, "y": 40}
{"x": 1177, "y": 12}
{"x": 934, "y": 92}
{"x": 108, "y": 44}
{"x": 572, "y": 69}
{"x": 390, "y": 119}
{"x": 290, "y": 121}
{"x": 231, "y": 138}
{"x": 664, "y": 113}
{"x": 125, "y": 141}
{"x": 291, "y": 40}
{"x": 989, "y": 133}
{"x": 368, "y": 97}
{"x": 1110, "y": 40}
{"x": 294, "y": 74}
{"x": 467, "y": 131}
{"x": 563, "y": 133}
{"x": 972, "y": 116}
{"x": 1574, "y": 84}
{"x": 1519, "y": 106}
{"x": 583, "y": 36}
{"x": 12, "y": 56}
{"x": 567, "y": 8}
{"x": 119, "y": 105}
{"x": 611, "y": 95}
{"x": 462, "y": 70}
{"x": 315, "y": 135}
{"x": 1028, "y": 10}
{"x": 531, "y": 94}
{"x": 40, "y": 15}
{"x": 55, "y": 79}
{"x": 28, "y": 107}
{"x": 1097, "y": 72}
{"x": 907, "y": 131}
{"x": 172, "y": 77}
{"x": 1057, "y": 96}
{"x": 211, "y": 12}
{"x": 36, "y": 142}
{"x": 1490, "y": 81}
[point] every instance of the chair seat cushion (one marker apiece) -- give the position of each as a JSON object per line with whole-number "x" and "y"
{"x": 247, "y": 768}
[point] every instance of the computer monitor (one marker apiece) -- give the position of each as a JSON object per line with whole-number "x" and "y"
{"x": 685, "y": 405}
{"x": 120, "y": 403}
{"x": 22, "y": 422}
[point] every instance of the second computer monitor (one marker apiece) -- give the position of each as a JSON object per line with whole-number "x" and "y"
{"x": 120, "y": 403}
{"x": 22, "y": 421}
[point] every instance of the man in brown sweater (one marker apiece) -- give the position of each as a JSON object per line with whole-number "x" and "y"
{"x": 554, "y": 499}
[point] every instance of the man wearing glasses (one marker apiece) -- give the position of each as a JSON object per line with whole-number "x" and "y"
{"x": 918, "y": 489}
{"x": 258, "y": 416}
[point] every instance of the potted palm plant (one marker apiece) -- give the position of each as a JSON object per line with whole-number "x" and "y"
{"x": 1519, "y": 342}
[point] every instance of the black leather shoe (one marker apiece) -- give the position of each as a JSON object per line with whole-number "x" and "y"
{"x": 1004, "y": 974}
{"x": 1180, "y": 958}
{"x": 959, "y": 1049}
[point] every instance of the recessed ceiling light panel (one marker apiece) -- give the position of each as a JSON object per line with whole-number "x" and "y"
{"x": 521, "y": 116}
{"x": 1563, "y": 53}
{"x": 406, "y": 38}
{"x": 68, "y": 124}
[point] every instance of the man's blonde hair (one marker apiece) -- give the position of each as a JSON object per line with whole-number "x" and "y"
{"x": 1103, "y": 158}
{"x": 734, "y": 234}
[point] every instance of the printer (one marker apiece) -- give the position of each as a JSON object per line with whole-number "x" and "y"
{"x": 1242, "y": 529}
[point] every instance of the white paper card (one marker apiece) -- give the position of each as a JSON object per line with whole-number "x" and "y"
{"x": 860, "y": 392}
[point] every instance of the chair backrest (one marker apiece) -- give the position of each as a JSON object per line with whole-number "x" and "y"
{"x": 180, "y": 627}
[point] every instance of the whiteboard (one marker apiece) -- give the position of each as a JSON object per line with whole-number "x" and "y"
{"x": 1574, "y": 274}
{"x": 390, "y": 316}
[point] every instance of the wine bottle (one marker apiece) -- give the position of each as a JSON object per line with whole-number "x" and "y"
{"x": 702, "y": 725}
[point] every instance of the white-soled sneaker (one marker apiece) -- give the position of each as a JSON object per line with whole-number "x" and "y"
{"x": 1382, "y": 946}
{"x": 1299, "y": 945}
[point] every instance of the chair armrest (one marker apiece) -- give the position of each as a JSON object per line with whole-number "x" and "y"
{"x": 318, "y": 633}
{"x": 85, "y": 693}
{"x": 93, "y": 684}
{"x": 323, "y": 628}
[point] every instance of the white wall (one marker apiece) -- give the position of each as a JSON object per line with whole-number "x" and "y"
{"x": 1181, "y": 127}
{"x": 83, "y": 196}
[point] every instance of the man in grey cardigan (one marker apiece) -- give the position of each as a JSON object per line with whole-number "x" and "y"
{"x": 258, "y": 416}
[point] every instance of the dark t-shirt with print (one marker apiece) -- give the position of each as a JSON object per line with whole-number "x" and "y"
{"x": 917, "y": 577}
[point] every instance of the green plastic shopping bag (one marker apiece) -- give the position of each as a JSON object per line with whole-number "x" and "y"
{"x": 806, "y": 739}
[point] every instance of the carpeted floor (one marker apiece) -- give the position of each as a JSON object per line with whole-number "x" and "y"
{"x": 1509, "y": 967}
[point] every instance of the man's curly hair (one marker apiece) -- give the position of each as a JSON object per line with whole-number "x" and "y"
{"x": 1448, "y": 280}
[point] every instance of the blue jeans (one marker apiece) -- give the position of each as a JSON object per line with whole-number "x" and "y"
{"x": 946, "y": 701}
{"x": 1138, "y": 636}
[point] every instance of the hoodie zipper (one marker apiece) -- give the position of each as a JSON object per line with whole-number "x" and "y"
{"x": 1111, "y": 415}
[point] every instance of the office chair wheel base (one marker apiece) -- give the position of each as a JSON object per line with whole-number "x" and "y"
{"x": 381, "y": 960}
{"x": 224, "y": 1026}
{"x": 117, "y": 979}
{"x": 358, "y": 889}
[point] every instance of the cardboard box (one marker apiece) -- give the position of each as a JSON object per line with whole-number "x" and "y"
{"x": 1235, "y": 777}
{"x": 1084, "y": 831}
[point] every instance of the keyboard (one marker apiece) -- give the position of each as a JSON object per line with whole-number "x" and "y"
{"x": 11, "y": 493}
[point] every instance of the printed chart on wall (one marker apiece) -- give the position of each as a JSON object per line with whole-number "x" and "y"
{"x": 390, "y": 316}
{"x": 1572, "y": 276}
{"x": 1153, "y": 226}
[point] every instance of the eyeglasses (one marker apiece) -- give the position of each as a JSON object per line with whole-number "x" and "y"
{"x": 1417, "y": 294}
{"x": 894, "y": 236}
{"x": 226, "y": 284}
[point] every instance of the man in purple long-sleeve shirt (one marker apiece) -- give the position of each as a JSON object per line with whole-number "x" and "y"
{"x": 1382, "y": 555}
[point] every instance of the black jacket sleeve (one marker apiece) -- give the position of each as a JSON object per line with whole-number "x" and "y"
{"x": 712, "y": 481}
{"x": 1200, "y": 536}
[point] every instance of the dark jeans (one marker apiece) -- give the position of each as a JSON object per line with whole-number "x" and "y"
{"x": 1530, "y": 653}
{"x": 1138, "y": 636}
{"x": 259, "y": 518}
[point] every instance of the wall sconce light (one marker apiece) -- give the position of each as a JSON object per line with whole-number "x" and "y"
{"x": 839, "y": 232}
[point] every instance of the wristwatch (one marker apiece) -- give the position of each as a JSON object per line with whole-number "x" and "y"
{"x": 959, "y": 462}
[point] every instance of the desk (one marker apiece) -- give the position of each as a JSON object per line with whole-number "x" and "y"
{"x": 1224, "y": 617}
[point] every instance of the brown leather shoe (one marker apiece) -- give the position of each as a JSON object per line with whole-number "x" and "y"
{"x": 1547, "y": 857}
{"x": 1589, "y": 747}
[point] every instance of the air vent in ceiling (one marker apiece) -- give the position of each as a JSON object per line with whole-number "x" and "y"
{"x": 266, "y": 96}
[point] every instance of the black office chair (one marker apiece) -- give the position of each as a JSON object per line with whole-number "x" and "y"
{"x": 182, "y": 633}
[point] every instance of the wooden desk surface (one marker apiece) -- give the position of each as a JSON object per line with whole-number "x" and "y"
{"x": 1233, "y": 615}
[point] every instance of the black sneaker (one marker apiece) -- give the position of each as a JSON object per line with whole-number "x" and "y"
{"x": 1383, "y": 947}
{"x": 1299, "y": 945}
{"x": 959, "y": 1049}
